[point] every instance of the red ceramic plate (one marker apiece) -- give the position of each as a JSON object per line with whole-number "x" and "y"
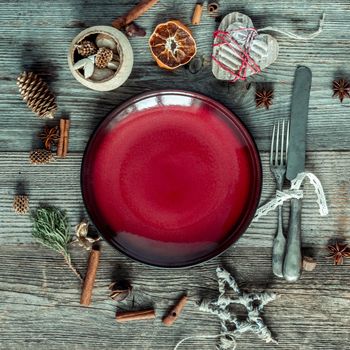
{"x": 171, "y": 178}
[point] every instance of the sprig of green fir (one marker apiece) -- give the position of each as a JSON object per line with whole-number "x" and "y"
{"x": 51, "y": 228}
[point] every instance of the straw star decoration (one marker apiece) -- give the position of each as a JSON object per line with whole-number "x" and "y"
{"x": 231, "y": 325}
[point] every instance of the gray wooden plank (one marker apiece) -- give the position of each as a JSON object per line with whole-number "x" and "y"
{"x": 39, "y": 302}
{"x": 37, "y": 37}
{"x": 39, "y": 297}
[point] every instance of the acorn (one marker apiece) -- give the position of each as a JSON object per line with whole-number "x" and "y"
{"x": 120, "y": 290}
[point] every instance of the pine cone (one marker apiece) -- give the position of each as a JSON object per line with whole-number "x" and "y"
{"x": 21, "y": 204}
{"x": 103, "y": 57}
{"x": 41, "y": 156}
{"x": 86, "y": 48}
{"x": 37, "y": 95}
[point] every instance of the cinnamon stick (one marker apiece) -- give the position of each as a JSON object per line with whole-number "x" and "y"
{"x": 134, "y": 13}
{"x": 61, "y": 139}
{"x": 127, "y": 316}
{"x": 174, "y": 313}
{"x": 197, "y": 14}
{"x": 90, "y": 276}
{"x": 65, "y": 138}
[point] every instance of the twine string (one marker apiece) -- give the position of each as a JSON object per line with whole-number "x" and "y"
{"x": 294, "y": 35}
{"x": 241, "y": 47}
{"x": 295, "y": 192}
{"x": 227, "y": 39}
{"x": 226, "y": 339}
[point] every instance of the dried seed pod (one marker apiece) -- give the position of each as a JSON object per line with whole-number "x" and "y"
{"x": 37, "y": 95}
{"x": 21, "y": 204}
{"x": 104, "y": 40}
{"x": 195, "y": 65}
{"x": 103, "y": 57}
{"x": 83, "y": 237}
{"x": 86, "y": 48}
{"x": 102, "y": 73}
{"x": 133, "y": 29}
{"x": 120, "y": 290}
{"x": 114, "y": 65}
{"x": 87, "y": 64}
{"x": 309, "y": 264}
{"x": 41, "y": 156}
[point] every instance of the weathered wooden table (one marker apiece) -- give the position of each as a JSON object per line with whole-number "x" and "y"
{"x": 39, "y": 297}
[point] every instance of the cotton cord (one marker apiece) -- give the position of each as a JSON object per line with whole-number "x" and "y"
{"x": 226, "y": 339}
{"x": 238, "y": 43}
{"x": 295, "y": 192}
{"x": 231, "y": 325}
{"x": 238, "y": 48}
{"x": 296, "y": 36}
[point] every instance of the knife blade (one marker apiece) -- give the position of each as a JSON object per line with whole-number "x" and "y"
{"x": 298, "y": 122}
{"x": 295, "y": 165}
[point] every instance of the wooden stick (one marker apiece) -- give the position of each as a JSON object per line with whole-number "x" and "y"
{"x": 197, "y": 14}
{"x": 61, "y": 139}
{"x": 90, "y": 276}
{"x": 127, "y": 316}
{"x": 65, "y": 138}
{"x": 174, "y": 313}
{"x": 134, "y": 13}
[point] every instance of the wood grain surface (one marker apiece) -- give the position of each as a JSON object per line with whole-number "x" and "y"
{"x": 39, "y": 296}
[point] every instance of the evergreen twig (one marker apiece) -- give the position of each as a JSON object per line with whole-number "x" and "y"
{"x": 51, "y": 228}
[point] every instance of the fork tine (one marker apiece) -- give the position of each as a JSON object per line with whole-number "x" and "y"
{"x": 272, "y": 142}
{"x": 282, "y": 142}
{"x": 277, "y": 142}
{"x": 287, "y": 140}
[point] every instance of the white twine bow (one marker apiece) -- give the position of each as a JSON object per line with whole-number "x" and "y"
{"x": 295, "y": 192}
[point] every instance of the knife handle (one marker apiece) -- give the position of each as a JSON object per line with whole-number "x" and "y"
{"x": 292, "y": 261}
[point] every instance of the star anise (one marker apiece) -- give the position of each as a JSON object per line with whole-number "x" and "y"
{"x": 263, "y": 98}
{"x": 338, "y": 252}
{"x": 341, "y": 89}
{"x": 50, "y": 137}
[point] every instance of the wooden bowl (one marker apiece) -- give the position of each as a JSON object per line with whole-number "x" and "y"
{"x": 125, "y": 53}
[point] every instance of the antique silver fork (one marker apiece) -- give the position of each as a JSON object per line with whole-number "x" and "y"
{"x": 278, "y": 166}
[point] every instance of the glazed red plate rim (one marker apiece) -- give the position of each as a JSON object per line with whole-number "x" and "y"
{"x": 255, "y": 160}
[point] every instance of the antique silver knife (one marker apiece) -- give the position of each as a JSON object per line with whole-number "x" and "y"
{"x": 296, "y": 165}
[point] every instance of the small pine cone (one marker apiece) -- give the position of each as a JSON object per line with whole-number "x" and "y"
{"x": 37, "y": 95}
{"x": 21, "y": 204}
{"x": 103, "y": 57}
{"x": 86, "y": 48}
{"x": 41, "y": 156}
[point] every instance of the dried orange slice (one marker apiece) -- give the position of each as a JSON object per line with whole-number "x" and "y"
{"x": 172, "y": 45}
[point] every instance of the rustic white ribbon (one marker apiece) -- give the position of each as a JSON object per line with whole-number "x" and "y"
{"x": 294, "y": 35}
{"x": 295, "y": 192}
